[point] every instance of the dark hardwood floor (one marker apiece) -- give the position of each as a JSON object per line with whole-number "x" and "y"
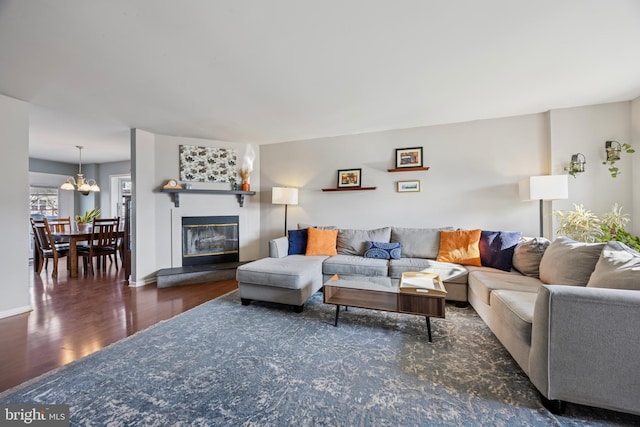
{"x": 72, "y": 318}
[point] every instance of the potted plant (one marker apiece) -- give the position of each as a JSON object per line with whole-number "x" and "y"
{"x": 580, "y": 224}
{"x": 83, "y": 222}
{"x": 614, "y": 149}
{"x": 585, "y": 226}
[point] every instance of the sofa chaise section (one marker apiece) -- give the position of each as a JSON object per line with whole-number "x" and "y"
{"x": 291, "y": 280}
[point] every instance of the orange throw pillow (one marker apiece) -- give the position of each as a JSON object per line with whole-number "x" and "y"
{"x": 460, "y": 247}
{"x": 321, "y": 242}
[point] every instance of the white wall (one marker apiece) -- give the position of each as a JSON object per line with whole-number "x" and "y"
{"x": 143, "y": 213}
{"x": 635, "y": 141}
{"x": 157, "y": 221}
{"x": 14, "y": 215}
{"x": 585, "y": 130}
{"x": 472, "y": 183}
{"x": 473, "y": 179}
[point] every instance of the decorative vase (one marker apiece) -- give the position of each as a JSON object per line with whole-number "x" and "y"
{"x": 246, "y": 186}
{"x": 84, "y": 227}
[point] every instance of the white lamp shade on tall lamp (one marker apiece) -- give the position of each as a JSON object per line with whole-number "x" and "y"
{"x": 545, "y": 187}
{"x": 284, "y": 196}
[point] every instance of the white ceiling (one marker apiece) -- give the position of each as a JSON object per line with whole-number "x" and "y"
{"x": 269, "y": 71}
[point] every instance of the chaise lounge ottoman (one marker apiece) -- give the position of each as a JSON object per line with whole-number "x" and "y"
{"x": 288, "y": 281}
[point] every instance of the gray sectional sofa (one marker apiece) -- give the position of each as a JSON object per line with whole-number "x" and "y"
{"x": 568, "y": 312}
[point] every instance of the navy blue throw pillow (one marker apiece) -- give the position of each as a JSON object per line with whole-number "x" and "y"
{"x": 382, "y": 250}
{"x": 497, "y": 247}
{"x": 298, "y": 242}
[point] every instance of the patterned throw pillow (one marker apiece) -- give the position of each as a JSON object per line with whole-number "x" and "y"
{"x": 382, "y": 250}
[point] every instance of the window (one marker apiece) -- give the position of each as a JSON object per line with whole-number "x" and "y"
{"x": 120, "y": 186}
{"x": 43, "y": 201}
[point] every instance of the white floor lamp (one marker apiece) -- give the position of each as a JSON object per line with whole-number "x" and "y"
{"x": 284, "y": 196}
{"x": 545, "y": 187}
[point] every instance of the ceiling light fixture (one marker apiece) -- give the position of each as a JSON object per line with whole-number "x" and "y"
{"x": 84, "y": 186}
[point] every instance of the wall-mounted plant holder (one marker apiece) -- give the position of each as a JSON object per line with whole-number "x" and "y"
{"x": 614, "y": 149}
{"x": 576, "y": 165}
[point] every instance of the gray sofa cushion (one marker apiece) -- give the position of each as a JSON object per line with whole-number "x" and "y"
{"x": 293, "y": 271}
{"x": 516, "y": 311}
{"x": 418, "y": 242}
{"x": 618, "y": 268}
{"x": 482, "y": 282}
{"x": 568, "y": 262}
{"x": 352, "y": 242}
{"x": 449, "y": 272}
{"x": 528, "y": 254}
{"x": 355, "y": 265}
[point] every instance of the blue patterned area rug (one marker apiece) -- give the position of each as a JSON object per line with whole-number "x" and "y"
{"x": 262, "y": 365}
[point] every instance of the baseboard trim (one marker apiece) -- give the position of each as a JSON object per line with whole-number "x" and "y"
{"x": 142, "y": 283}
{"x": 15, "y": 311}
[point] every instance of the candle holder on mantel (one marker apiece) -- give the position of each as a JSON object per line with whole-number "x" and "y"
{"x": 244, "y": 174}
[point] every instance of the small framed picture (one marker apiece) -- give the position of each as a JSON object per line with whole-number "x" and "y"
{"x": 349, "y": 178}
{"x": 408, "y": 186}
{"x": 409, "y": 157}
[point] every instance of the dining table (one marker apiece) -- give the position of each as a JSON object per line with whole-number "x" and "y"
{"x": 73, "y": 237}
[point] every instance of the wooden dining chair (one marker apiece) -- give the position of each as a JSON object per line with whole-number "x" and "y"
{"x": 103, "y": 243}
{"x": 46, "y": 247}
{"x": 60, "y": 225}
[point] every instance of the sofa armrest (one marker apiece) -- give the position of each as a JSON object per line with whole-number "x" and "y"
{"x": 279, "y": 248}
{"x": 584, "y": 346}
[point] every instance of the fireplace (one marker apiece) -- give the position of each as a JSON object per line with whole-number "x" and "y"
{"x": 209, "y": 240}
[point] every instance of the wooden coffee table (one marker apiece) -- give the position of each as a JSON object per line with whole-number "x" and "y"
{"x": 422, "y": 294}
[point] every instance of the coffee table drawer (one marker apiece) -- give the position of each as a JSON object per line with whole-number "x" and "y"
{"x": 421, "y": 304}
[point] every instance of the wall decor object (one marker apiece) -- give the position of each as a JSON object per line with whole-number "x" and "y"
{"x": 576, "y": 165}
{"x": 172, "y": 183}
{"x": 207, "y": 164}
{"x": 349, "y": 178}
{"x": 614, "y": 149}
{"x": 409, "y": 186}
{"x": 409, "y": 157}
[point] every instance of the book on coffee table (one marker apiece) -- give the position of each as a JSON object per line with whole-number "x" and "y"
{"x": 418, "y": 282}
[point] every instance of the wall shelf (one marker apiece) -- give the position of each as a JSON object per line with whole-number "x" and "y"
{"x": 408, "y": 169}
{"x": 350, "y": 189}
{"x": 175, "y": 194}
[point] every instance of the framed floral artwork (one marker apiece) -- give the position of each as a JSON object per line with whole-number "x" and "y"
{"x": 207, "y": 164}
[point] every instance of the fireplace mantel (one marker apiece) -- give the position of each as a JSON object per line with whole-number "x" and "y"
{"x": 175, "y": 194}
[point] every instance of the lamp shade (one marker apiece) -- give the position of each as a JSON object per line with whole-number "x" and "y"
{"x": 546, "y": 187}
{"x": 284, "y": 196}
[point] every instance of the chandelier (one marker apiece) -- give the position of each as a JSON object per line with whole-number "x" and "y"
{"x": 84, "y": 186}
